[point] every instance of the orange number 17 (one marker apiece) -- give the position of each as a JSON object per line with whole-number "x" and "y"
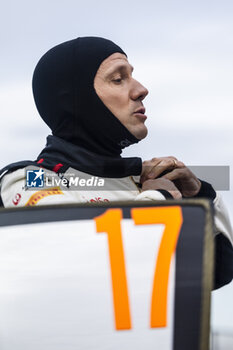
{"x": 110, "y": 222}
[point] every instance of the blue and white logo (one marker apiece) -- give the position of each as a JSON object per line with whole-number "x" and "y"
{"x": 35, "y": 178}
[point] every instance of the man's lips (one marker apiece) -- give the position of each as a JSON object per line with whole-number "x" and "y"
{"x": 141, "y": 113}
{"x": 141, "y": 110}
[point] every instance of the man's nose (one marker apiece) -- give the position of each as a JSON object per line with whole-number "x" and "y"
{"x": 138, "y": 91}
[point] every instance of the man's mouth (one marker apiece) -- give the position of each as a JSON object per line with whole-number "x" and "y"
{"x": 140, "y": 112}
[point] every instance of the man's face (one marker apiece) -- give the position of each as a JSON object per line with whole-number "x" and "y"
{"x": 121, "y": 93}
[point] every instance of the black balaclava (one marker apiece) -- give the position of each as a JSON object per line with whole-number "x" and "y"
{"x": 63, "y": 88}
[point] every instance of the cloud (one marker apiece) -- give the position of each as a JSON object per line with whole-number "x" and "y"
{"x": 22, "y": 132}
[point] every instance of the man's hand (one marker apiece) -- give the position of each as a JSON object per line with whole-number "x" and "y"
{"x": 169, "y": 168}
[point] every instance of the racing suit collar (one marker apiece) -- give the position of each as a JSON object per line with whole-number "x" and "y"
{"x": 59, "y": 155}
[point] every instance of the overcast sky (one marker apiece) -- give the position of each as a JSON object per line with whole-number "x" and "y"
{"x": 182, "y": 52}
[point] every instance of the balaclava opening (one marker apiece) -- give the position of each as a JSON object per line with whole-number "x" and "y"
{"x": 63, "y": 88}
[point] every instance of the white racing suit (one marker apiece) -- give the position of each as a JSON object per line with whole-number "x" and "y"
{"x": 73, "y": 187}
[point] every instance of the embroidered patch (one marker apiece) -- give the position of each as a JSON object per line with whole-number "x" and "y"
{"x": 36, "y": 197}
{"x": 98, "y": 199}
{"x": 16, "y": 199}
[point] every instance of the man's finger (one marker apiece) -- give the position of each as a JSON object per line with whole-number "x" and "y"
{"x": 156, "y": 167}
{"x": 165, "y": 165}
{"x": 148, "y": 166}
{"x": 178, "y": 173}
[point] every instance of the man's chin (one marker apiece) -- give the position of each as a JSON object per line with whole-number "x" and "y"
{"x": 141, "y": 134}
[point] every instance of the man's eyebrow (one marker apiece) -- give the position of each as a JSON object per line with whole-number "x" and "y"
{"x": 120, "y": 67}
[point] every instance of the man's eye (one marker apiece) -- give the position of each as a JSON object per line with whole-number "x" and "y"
{"x": 117, "y": 81}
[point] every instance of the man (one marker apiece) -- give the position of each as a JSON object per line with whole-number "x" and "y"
{"x": 85, "y": 92}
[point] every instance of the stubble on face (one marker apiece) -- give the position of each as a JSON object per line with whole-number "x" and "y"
{"x": 121, "y": 93}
